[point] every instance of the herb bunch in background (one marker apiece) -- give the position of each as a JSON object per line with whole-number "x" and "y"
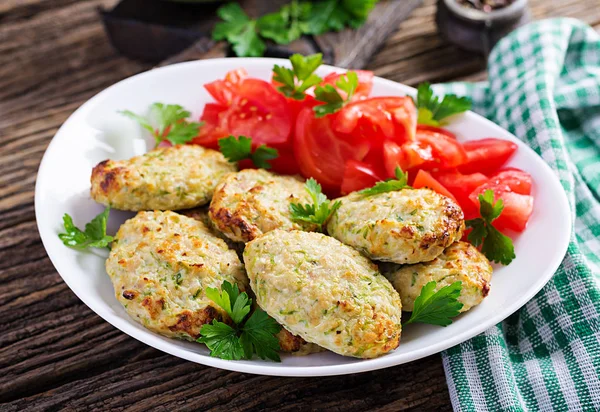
{"x": 247, "y": 36}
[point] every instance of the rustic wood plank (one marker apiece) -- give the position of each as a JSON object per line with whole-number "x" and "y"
{"x": 55, "y": 353}
{"x": 353, "y": 48}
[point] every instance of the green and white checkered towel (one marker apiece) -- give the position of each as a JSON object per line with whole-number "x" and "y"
{"x": 545, "y": 88}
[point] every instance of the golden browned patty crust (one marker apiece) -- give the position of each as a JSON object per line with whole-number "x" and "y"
{"x": 252, "y": 202}
{"x": 461, "y": 262}
{"x": 404, "y": 226}
{"x": 201, "y": 214}
{"x": 325, "y": 292}
{"x": 178, "y": 177}
{"x": 160, "y": 265}
{"x": 290, "y": 343}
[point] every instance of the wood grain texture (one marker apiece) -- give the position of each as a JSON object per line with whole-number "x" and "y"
{"x": 55, "y": 353}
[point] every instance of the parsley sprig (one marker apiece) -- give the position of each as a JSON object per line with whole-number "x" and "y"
{"x": 436, "y": 308}
{"x": 330, "y": 96}
{"x": 300, "y": 77}
{"x": 247, "y": 36}
{"x": 335, "y": 15}
{"x": 248, "y": 336}
{"x": 239, "y": 30}
{"x": 496, "y": 246}
{"x": 240, "y": 148}
{"x": 171, "y": 123}
{"x": 389, "y": 185}
{"x": 432, "y": 111}
{"x": 94, "y": 234}
{"x": 319, "y": 211}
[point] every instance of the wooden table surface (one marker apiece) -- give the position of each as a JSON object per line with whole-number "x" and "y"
{"x": 55, "y": 352}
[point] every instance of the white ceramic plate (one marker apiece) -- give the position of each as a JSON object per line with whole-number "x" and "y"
{"x": 96, "y": 132}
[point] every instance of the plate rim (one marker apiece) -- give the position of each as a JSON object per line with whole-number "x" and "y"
{"x": 265, "y": 368}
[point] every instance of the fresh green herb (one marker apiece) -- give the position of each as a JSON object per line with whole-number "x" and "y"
{"x": 287, "y": 24}
{"x": 436, "y": 308}
{"x": 494, "y": 245}
{"x": 241, "y": 148}
{"x": 319, "y": 211}
{"x": 389, "y": 185}
{"x": 171, "y": 123}
{"x": 335, "y": 15}
{"x": 432, "y": 111}
{"x": 239, "y": 30}
{"x": 248, "y": 336}
{"x": 94, "y": 234}
{"x": 330, "y": 96}
{"x": 247, "y": 36}
{"x": 297, "y": 80}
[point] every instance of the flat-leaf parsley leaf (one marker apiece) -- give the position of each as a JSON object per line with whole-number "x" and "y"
{"x": 432, "y": 111}
{"x": 496, "y": 246}
{"x": 239, "y": 30}
{"x": 236, "y": 149}
{"x": 331, "y": 98}
{"x": 248, "y": 336}
{"x": 319, "y": 211}
{"x": 300, "y": 77}
{"x": 171, "y": 123}
{"x": 94, "y": 234}
{"x": 389, "y": 185}
{"x": 436, "y": 308}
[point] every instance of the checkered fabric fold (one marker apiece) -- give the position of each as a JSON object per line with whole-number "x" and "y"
{"x": 545, "y": 88}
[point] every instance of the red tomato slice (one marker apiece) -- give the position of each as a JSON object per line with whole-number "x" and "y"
{"x": 378, "y": 118}
{"x": 517, "y": 207}
{"x": 357, "y": 176}
{"x": 424, "y": 179}
{"x": 236, "y": 76}
{"x": 285, "y": 163}
{"x": 461, "y": 186}
{"x": 365, "y": 83}
{"x": 517, "y": 180}
{"x": 447, "y": 152}
{"x": 486, "y": 155}
{"x": 224, "y": 90}
{"x": 392, "y": 157}
{"x": 436, "y": 130}
{"x": 255, "y": 109}
{"x": 322, "y": 153}
{"x": 408, "y": 156}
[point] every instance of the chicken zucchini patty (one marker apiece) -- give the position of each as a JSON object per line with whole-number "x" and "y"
{"x": 161, "y": 264}
{"x": 325, "y": 292}
{"x": 201, "y": 214}
{"x": 252, "y": 202}
{"x": 404, "y": 226}
{"x": 178, "y": 177}
{"x": 459, "y": 262}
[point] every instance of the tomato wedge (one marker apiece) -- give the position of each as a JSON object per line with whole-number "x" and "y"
{"x": 436, "y": 130}
{"x": 517, "y": 207}
{"x": 407, "y": 156}
{"x": 365, "y": 83}
{"x": 424, "y": 179}
{"x": 486, "y": 155}
{"x": 515, "y": 179}
{"x": 461, "y": 186}
{"x": 447, "y": 152}
{"x": 357, "y": 176}
{"x": 322, "y": 153}
{"x": 378, "y": 119}
{"x": 255, "y": 109}
{"x": 223, "y": 91}
{"x": 285, "y": 163}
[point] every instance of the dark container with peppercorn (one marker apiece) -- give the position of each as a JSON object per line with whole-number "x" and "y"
{"x": 477, "y": 25}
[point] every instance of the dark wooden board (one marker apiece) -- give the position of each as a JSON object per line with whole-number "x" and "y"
{"x": 138, "y": 34}
{"x": 55, "y": 353}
